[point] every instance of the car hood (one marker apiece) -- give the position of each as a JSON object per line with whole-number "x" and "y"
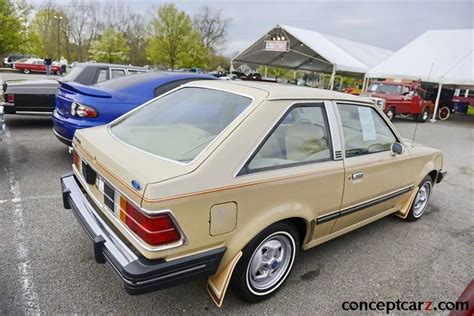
{"x": 121, "y": 164}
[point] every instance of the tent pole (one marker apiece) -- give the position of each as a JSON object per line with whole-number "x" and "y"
{"x": 440, "y": 86}
{"x": 363, "y": 83}
{"x": 333, "y": 76}
{"x": 231, "y": 66}
{"x": 266, "y": 72}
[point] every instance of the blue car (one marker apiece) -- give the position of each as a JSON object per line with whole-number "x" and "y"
{"x": 79, "y": 106}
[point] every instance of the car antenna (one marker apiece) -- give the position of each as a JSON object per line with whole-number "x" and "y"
{"x": 414, "y": 135}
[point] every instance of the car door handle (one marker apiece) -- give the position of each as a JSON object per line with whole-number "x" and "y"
{"x": 357, "y": 176}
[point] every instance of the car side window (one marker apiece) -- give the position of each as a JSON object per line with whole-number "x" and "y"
{"x": 117, "y": 73}
{"x": 102, "y": 75}
{"x": 300, "y": 137}
{"x": 135, "y": 71}
{"x": 365, "y": 132}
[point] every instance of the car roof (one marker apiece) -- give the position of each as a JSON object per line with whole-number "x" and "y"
{"x": 278, "y": 91}
{"x": 161, "y": 77}
{"x": 109, "y": 65}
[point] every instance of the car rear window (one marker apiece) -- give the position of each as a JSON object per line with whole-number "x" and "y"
{"x": 127, "y": 81}
{"x": 180, "y": 125}
{"x": 73, "y": 73}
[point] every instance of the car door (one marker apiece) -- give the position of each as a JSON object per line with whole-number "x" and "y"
{"x": 39, "y": 66}
{"x": 376, "y": 180}
{"x": 303, "y": 149}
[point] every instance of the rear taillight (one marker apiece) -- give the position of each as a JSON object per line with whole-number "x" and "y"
{"x": 83, "y": 110}
{"x": 155, "y": 230}
{"x": 10, "y": 97}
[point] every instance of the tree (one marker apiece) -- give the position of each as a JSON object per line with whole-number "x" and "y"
{"x": 43, "y": 31}
{"x": 84, "y": 25}
{"x": 12, "y": 26}
{"x": 212, "y": 26}
{"x": 174, "y": 42}
{"x": 111, "y": 47}
{"x": 136, "y": 39}
{"x": 218, "y": 62}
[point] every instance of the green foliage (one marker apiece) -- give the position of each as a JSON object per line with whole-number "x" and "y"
{"x": 111, "y": 47}
{"x": 12, "y": 26}
{"x": 174, "y": 42}
{"x": 218, "y": 62}
{"x": 47, "y": 24}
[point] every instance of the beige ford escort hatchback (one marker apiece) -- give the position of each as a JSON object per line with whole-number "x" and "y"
{"x": 229, "y": 180}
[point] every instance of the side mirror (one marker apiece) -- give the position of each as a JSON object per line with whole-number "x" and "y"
{"x": 397, "y": 149}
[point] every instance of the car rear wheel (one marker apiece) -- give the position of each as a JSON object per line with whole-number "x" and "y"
{"x": 26, "y": 71}
{"x": 266, "y": 262}
{"x": 421, "y": 200}
{"x": 391, "y": 113}
{"x": 443, "y": 113}
{"x": 423, "y": 116}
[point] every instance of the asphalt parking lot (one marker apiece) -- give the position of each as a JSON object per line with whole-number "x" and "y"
{"x": 47, "y": 264}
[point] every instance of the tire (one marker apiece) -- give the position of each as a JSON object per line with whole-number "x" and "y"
{"x": 443, "y": 113}
{"x": 281, "y": 241}
{"x": 26, "y": 71}
{"x": 419, "y": 205}
{"x": 423, "y": 116}
{"x": 391, "y": 112}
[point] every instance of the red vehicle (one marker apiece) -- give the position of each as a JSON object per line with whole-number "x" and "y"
{"x": 402, "y": 99}
{"x": 466, "y": 96}
{"x": 36, "y": 65}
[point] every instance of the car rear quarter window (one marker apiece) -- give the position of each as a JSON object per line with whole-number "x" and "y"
{"x": 102, "y": 75}
{"x": 301, "y": 137}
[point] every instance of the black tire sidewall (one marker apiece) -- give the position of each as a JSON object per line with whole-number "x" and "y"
{"x": 239, "y": 281}
{"x": 411, "y": 217}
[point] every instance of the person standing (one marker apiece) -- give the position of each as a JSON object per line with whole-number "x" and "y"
{"x": 63, "y": 64}
{"x": 47, "y": 63}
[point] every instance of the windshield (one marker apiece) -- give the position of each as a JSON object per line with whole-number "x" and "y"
{"x": 181, "y": 124}
{"x": 385, "y": 88}
{"x": 73, "y": 74}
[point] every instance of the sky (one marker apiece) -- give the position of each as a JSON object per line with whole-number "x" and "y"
{"x": 388, "y": 24}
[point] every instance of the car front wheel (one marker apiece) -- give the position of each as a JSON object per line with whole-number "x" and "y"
{"x": 421, "y": 200}
{"x": 391, "y": 113}
{"x": 26, "y": 71}
{"x": 423, "y": 116}
{"x": 266, "y": 262}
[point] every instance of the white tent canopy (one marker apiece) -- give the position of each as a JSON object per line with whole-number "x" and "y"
{"x": 312, "y": 51}
{"x": 438, "y": 56}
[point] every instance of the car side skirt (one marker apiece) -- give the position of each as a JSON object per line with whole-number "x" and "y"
{"x": 362, "y": 206}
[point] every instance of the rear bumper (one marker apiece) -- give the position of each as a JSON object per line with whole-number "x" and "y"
{"x": 139, "y": 275}
{"x": 441, "y": 175}
{"x": 62, "y": 139}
